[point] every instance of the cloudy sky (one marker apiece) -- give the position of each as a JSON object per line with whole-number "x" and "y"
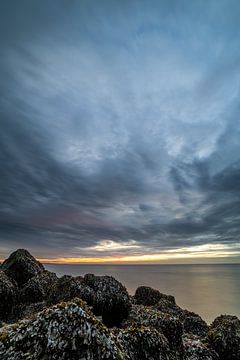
{"x": 120, "y": 130}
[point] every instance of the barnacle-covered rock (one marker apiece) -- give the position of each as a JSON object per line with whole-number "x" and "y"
{"x": 63, "y": 332}
{"x": 21, "y": 266}
{"x": 23, "y": 311}
{"x": 169, "y": 325}
{"x": 112, "y": 300}
{"x": 8, "y": 296}
{"x": 193, "y": 323}
{"x": 67, "y": 287}
{"x": 38, "y": 287}
{"x": 143, "y": 343}
{"x": 168, "y": 306}
{"x": 196, "y": 349}
{"x": 224, "y": 337}
{"x": 146, "y": 295}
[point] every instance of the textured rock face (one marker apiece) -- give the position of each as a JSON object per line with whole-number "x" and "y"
{"x": 193, "y": 323}
{"x": 111, "y": 301}
{"x": 21, "y": 266}
{"x": 168, "y": 325}
{"x": 224, "y": 337}
{"x": 8, "y": 296}
{"x": 146, "y": 295}
{"x": 37, "y": 288}
{"x": 67, "y": 287}
{"x": 63, "y": 332}
{"x": 195, "y": 349}
{"x": 143, "y": 343}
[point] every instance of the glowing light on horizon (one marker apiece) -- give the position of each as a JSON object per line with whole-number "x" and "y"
{"x": 192, "y": 252}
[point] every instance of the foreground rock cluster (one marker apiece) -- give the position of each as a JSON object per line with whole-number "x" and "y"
{"x": 94, "y": 318}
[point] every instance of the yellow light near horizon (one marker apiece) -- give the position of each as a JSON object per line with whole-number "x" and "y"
{"x": 215, "y": 251}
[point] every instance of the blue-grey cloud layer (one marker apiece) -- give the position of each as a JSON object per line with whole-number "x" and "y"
{"x": 119, "y": 121}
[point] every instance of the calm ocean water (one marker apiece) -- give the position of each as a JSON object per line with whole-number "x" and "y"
{"x": 209, "y": 290}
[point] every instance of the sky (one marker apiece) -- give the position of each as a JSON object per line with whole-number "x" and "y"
{"x": 120, "y": 130}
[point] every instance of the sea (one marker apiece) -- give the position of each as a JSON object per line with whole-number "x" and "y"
{"x": 208, "y": 290}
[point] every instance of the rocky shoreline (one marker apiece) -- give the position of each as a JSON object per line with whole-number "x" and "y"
{"x": 94, "y": 318}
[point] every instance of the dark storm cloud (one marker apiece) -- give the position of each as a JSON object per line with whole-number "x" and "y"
{"x": 119, "y": 127}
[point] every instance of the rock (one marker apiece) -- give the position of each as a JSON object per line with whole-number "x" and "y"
{"x": 23, "y": 311}
{"x": 21, "y": 266}
{"x": 63, "y": 332}
{"x": 195, "y": 349}
{"x": 224, "y": 337}
{"x": 143, "y": 343}
{"x": 111, "y": 301}
{"x": 193, "y": 323}
{"x": 148, "y": 296}
{"x": 8, "y": 296}
{"x": 67, "y": 287}
{"x": 167, "y": 306}
{"x": 37, "y": 288}
{"x": 169, "y": 325}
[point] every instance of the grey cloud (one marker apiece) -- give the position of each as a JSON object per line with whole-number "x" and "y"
{"x": 115, "y": 127}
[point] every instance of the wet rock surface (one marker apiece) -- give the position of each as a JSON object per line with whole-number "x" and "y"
{"x": 93, "y": 317}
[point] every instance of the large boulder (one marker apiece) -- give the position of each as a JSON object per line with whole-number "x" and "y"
{"x": 148, "y": 296}
{"x": 224, "y": 337}
{"x": 143, "y": 343}
{"x": 67, "y": 287}
{"x": 111, "y": 300}
{"x": 193, "y": 323}
{"x": 169, "y": 325}
{"x": 8, "y": 296}
{"x": 37, "y": 288}
{"x": 21, "y": 266}
{"x": 62, "y": 332}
